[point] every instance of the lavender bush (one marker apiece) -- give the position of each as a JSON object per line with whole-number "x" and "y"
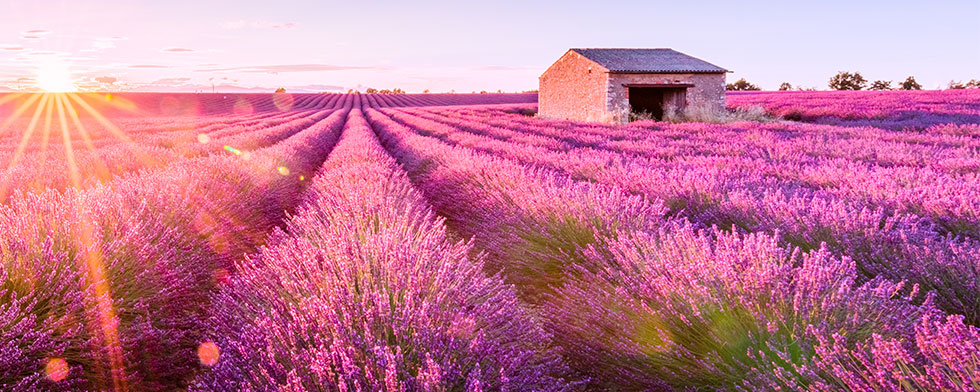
{"x": 364, "y": 290}
{"x": 454, "y": 242}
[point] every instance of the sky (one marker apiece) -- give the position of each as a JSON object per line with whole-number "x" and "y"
{"x": 307, "y": 46}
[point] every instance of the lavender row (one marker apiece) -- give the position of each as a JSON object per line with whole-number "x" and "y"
{"x": 251, "y": 138}
{"x": 532, "y": 223}
{"x": 367, "y": 291}
{"x": 898, "y": 246}
{"x": 104, "y": 131}
{"x": 679, "y": 307}
{"x": 946, "y": 194}
{"x": 688, "y": 309}
{"x": 886, "y": 169}
{"x": 882, "y": 109}
{"x": 781, "y": 140}
{"x": 142, "y": 105}
{"x": 110, "y": 285}
{"x": 516, "y": 213}
{"x": 57, "y": 169}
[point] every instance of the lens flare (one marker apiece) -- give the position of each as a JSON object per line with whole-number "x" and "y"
{"x": 221, "y": 276}
{"x": 208, "y": 352}
{"x": 56, "y": 369}
{"x": 283, "y": 101}
{"x": 53, "y": 76}
{"x": 242, "y": 107}
{"x": 203, "y": 138}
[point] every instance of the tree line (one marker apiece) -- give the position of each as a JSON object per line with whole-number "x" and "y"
{"x": 854, "y": 81}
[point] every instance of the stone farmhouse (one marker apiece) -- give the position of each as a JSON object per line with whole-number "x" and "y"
{"x": 605, "y": 85}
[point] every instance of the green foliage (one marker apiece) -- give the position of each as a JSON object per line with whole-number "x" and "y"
{"x": 911, "y": 84}
{"x": 741, "y": 85}
{"x": 642, "y": 115}
{"x": 973, "y": 83}
{"x": 881, "y": 85}
{"x": 847, "y": 81}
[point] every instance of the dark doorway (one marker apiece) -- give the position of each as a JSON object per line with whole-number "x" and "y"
{"x": 653, "y": 99}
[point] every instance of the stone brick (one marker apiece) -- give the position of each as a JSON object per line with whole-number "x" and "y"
{"x": 576, "y": 88}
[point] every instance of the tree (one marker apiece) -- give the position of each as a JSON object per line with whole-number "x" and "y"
{"x": 881, "y": 85}
{"x": 847, "y": 81}
{"x": 371, "y": 90}
{"x": 954, "y": 85}
{"x": 785, "y": 86}
{"x": 911, "y": 84}
{"x": 973, "y": 83}
{"x": 281, "y": 90}
{"x": 741, "y": 85}
{"x": 398, "y": 91}
{"x": 426, "y": 91}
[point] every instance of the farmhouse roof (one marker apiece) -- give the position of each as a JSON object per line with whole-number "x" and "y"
{"x": 660, "y": 60}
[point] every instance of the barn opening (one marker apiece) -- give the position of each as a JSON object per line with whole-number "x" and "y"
{"x": 655, "y": 98}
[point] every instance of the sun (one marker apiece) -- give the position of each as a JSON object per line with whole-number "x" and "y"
{"x": 53, "y": 76}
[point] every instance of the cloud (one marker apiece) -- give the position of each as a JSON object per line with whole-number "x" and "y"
{"x": 221, "y": 88}
{"x": 287, "y": 68}
{"x": 11, "y": 48}
{"x": 34, "y": 34}
{"x": 106, "y": 42}
{"x": 314, "y": 88}
{"x": 438, "y": 78}
{"x": 177, "y": 50}
{"x": 179, "y": 84}
{"x": 228, "y": 87}
{"x": 153, "y": 66}
{"x": 171, "y": 81}
{"x": 506, "y": 68}
{"x": 258, "y": 24}
{"x": 106, "y": 79}
{"x": 233, "y": 25}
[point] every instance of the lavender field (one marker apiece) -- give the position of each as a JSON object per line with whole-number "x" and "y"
{"x": 456, "y": 242}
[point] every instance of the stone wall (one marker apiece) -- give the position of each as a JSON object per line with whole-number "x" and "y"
{"x": 573, "y": 88}
{"x": 576, "y": 88}
{"x": 708, "y": 89}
